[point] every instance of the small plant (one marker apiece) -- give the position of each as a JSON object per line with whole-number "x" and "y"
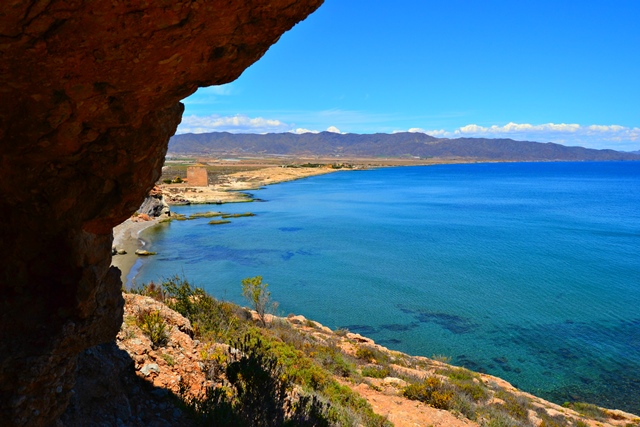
{"x": 516, "y": 406}
{"x": 169, "y": 359}
{"x": 150, "y": 290}
{"x": 587, "y": 409}
{"x": 341, "y": 332}
{"x": 375, "y": 372}
{"x": 177, "y": 180}
{"x": 372, "y": 355}
{"x": 153, "y": 326}
{"x": 209, "y": 317}
{"x": 258, "y": 296}
{"x": 432, "y": 391}
{"x": 167, "y": 181}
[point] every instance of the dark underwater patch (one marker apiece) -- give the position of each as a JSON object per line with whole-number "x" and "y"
{"x": 451, "y": 322}
{"x": 399, "y": 327}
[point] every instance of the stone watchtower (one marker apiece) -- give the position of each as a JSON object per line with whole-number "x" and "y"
{"x": 197, "y": 176}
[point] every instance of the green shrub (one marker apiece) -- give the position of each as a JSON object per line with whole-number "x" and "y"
{"x": 167, "y": 180}
{"x": 517, "y": 406}
{"x": 341, "y": 332}
{"x": 153, "y": 326}
{"x": 375, "y": 372}
{"x": 372, "y": 355}
{"x": 334, "y": 360}
{"x": 150, "y": 290}
{"x": 465, "y": 405}
{"x": 258, "y": 296}
{"x": 210, "y": 318}
{"x": 169, "y": 359}
{"x": 432, "y": 391}
{"x": 587, "y": 409}
{"x": 257, "y": 394}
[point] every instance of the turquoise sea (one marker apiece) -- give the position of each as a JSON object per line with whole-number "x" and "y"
{"x": 527, "y": 271}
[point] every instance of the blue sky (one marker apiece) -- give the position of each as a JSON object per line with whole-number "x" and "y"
{"x": 560, "y": 71}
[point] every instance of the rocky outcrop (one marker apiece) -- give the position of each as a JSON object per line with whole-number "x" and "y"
{"x": 90, "y": 96}
{"x": 132, "y": 382}
{"x": 154, "y": 204}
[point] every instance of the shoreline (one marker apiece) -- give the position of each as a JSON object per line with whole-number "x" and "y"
{"x": 137, "y": 235}
{"x": 127, "y": 236}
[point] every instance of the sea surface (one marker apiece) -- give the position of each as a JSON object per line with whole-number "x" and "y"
{"x": 527, "y": 271}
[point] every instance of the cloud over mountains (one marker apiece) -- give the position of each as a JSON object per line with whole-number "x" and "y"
{"x": 591, "y": 136}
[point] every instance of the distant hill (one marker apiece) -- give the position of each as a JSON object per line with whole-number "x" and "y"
{"x": 382, "y": 145}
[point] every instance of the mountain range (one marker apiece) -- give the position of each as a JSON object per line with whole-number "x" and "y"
{"x": 396, "y": 145}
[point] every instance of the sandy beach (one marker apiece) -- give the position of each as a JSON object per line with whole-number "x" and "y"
{"x": 230, "y": 187}
{"x": 127, "y": 236}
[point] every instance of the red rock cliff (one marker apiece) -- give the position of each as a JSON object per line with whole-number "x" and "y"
{"x": 89, "y": 96}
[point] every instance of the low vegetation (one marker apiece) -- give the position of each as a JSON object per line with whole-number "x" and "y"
{"x": 153, "y": 326}
{"x": 267, "y": 372}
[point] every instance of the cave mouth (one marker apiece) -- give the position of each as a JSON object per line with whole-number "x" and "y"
{"x": 91, "y": 95}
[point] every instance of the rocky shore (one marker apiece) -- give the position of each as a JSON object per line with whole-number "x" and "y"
{"x": 154, "y": 377}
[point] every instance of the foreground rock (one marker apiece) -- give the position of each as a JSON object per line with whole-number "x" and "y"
{"x": 136, "y": 382}
{"x": 90, "y": 96}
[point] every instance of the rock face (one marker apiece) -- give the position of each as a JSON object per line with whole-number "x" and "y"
{"x": 154, "y": 204}
{"x": 89, "y": 96}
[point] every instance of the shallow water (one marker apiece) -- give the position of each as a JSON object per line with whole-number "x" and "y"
{"x": 528, "y": 271}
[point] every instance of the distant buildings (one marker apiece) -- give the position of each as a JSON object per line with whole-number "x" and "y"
{"x": 197, "y": 176}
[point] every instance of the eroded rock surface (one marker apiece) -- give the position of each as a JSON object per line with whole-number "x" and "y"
{"x": 89, "y": 96}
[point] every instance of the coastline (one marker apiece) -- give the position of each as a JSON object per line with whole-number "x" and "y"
{"x": 127, "y": 236}
{"x": 231, "y": 186}
{"x": 298, "y": 310}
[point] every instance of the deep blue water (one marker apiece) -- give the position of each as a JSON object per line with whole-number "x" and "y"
{"x": 528, "y": 271}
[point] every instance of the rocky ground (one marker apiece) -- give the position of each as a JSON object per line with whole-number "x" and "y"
{"x": 135, "y": 382}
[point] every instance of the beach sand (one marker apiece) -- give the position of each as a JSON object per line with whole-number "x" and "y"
{"x": 127, "y": 236}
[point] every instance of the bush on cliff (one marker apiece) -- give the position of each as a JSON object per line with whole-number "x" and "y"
{"x": 262, "y": 364}
{"x": 153, "y": 326}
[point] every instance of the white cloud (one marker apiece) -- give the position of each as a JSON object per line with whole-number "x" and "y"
{"x": 592, "y": 136}
{"x": 234, "y": 124}
{"x": 612, "y": 136}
